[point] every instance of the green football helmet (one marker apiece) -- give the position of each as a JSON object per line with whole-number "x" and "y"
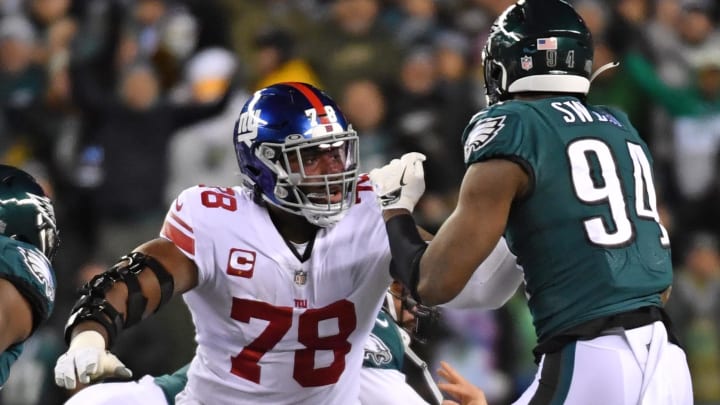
{"x": 26, "y": 213}
{"x": 537, "y": 46}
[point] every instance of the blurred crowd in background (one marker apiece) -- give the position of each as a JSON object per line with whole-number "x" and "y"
{"x": 117, "y": 105}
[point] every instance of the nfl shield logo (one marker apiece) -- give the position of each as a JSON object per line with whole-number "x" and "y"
{"x": 300, "y": 277}
{"x": 526, "y": 63}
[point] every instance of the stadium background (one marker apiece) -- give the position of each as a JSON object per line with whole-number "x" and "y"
{"x": 98, "y": 99}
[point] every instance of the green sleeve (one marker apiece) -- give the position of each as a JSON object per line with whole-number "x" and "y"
{"x": 172, "y": 384}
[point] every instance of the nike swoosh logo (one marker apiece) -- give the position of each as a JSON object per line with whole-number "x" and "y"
{"x": 402, "y": 177}
{"x": 382, "y": 322}
{"x": 178, "y": 205}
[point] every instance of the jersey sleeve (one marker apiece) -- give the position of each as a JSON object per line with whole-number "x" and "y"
{"x": 178, "y": 224}
{"x": 194, "y": 220}
{"x": 496, "y": 133}
{"x": 387, "y": 386}
{"x": 184, "y": 227}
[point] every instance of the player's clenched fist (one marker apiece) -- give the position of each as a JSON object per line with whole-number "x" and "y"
{"x": 86, "y": 361}
{"x": 400, "y": 183}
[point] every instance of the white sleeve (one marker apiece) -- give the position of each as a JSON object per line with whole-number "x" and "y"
{"x": 493, "y": 283}
{"x": 381, "y": 386}
{"x": 144, "y": 391}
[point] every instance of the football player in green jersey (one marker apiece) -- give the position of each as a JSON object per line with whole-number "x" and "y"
{"x": 28, "y": 240}
{"x": 570, "y": 186}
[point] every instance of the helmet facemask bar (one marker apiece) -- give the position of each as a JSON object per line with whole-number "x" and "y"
{"x": 321, "y": 198}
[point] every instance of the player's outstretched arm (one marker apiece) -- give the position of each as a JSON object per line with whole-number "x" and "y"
{"x": 435, "y": 273}
{"x": 471, "y": 232}
{"x": 459, "y": 388}
{"x": 131, "y": 290}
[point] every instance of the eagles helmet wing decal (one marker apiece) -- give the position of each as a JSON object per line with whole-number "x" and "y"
{"x": 483, "y": 131}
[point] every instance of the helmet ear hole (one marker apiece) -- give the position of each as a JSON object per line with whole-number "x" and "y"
{"x": 253, "y": 170}
{"x": 493, "y": 81}
{"x": 495, "y": 72}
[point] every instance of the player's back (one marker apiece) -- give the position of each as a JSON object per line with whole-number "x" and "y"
{"x": 587, "y": 234}
{"x": 30, "y": 272}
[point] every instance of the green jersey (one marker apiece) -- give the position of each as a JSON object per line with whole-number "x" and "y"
{"x": 31, "y": 273}
{"x": 587, "y": 233}
{"x": 384, "y": 348}
{"x": 172, "y": 384}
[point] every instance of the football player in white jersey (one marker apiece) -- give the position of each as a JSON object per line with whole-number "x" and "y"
{"x": 381, "y": 378}
{"x": 283, "y": 275}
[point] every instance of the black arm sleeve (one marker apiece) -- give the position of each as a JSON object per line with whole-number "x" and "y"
{"x": 407, "y": 248}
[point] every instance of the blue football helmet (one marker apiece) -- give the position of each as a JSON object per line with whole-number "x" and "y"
{"x": 281, "y": 130}
{"x": 26, "y": 213}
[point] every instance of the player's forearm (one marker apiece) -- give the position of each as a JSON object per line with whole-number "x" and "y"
{"x": 406, "y": 247}
{"x": 492, "y": 284}
{"x": 458, "y": 250}
{"x": 131, "y": 290}
{"x": 90, "y": 326}
{"x": 431, "y": 279}
{"x": 116, "y": 298}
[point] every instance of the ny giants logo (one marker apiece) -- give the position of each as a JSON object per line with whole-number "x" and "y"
{"x": 241, "y": 263}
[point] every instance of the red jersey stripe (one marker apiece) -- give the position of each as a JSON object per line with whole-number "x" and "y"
{"x": 181, "y": 222}
{"x": 180, "y": 240}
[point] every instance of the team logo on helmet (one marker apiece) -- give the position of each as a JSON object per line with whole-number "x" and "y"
{"x": 247, "y": 125}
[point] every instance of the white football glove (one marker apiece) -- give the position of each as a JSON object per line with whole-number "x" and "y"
{"x": 86, "y": 361}
{"x": 400, "y": 183}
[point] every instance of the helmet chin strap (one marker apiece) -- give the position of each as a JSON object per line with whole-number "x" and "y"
{"x": 601, "y": 69}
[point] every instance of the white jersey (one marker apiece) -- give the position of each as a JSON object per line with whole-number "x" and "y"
{"x": 383, "y": 386}
{"x": 273, "y": 327}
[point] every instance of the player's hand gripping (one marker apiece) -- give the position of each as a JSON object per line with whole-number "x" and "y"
{"x": 400, "y": 183}
{"x": 86, "y": 361}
